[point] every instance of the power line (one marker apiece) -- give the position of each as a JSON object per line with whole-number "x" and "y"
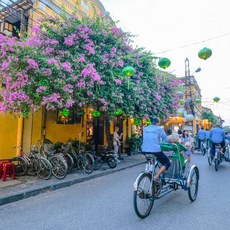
{"x": 194, "y": 43}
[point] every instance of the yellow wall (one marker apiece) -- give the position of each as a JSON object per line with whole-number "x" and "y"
{"x": 62, "y": 132}
{"x": 8, "y": 135}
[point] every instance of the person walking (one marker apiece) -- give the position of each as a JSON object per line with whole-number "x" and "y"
{"x": 116, "y": 143}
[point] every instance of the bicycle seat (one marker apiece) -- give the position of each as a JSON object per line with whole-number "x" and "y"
{"x": 150, "y": 157}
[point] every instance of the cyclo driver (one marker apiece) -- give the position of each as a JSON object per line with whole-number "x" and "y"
{"x": 152, "y": 136}
{"x": 218, "y": 137}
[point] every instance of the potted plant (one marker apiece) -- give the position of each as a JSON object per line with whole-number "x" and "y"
{"x": 133, "y": 144}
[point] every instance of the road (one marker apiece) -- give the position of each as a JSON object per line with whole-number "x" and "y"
{"x": 106, "y": 203}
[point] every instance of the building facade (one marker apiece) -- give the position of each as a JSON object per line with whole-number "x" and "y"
{"x": 17, "y": 18}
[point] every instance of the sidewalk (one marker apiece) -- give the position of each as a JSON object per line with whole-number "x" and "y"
{"x": 26, "y": 186}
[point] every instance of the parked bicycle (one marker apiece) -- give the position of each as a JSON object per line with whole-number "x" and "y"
{"x": 33, "y": 164}
{"x": 59, "y": 165}
{"x": 82, "y": 159}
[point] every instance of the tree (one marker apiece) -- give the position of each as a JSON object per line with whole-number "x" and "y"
{"x": 78, "y": 62}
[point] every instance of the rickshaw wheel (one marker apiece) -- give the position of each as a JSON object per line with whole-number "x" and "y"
{"x": 194, "y": 183}
{"x": 143, "y": 197}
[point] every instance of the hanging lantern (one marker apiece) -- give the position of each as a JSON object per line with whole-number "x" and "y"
{"x": 198, "y": 100}
{"x": 118, "y": 112}
{"x": 65, "y": 112}
{"x": 216, "y": 99}
{"x": 189, "y": 117}
{"x": 180, "y": 111}
{"x": 137, "y": 121}
{"x": 164, "y": 63}
{"x": 205, "y": 53}
{"x": 147, "y": 122}
{"x": 128, "y": 71}
{"x": 96, "y": 113}
{"x": 181, "y": 101}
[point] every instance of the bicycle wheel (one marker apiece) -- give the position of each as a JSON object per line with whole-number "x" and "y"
{"x": 75, "y": 158}
{"x": 32, "y": 166}
{"x": 203, "y": 151}
{"x": 193, "y": 184}
{"x": 210, "y": 158}
{"x": 111, "y": 162}
{"x": 70, "y": 162}
{"x": 87, "y": 163}
{"x": 20, "y": 166}
{"x": 216, "y": 164}
{"x": 143, "y": 197}
{"x": 59, "y": 167}
{"x": 44, "y": 169}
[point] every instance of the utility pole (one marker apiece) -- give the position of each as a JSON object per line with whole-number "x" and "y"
{"x": 189, "y": 94}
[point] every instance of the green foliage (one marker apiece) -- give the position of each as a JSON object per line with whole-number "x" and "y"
{"x": 210, "y": 116}
{"x": 134, "y": 141}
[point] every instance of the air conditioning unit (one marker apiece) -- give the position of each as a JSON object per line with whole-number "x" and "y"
{"x": 7, "y": 33}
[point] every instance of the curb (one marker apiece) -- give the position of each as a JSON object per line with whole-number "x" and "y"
{"x": 59, "y": 185}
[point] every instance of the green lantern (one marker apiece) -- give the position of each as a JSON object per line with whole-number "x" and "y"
{"x": 128, "y": 71}
{"x": 205, "y": 53}
{"x": 65, "y": 112}
{"x": 147, "y": 122}
{"x": 118, "y": 112}
{"x": 189, "y": 117}
{"x": 137, "y": 121}
{"x": 198, "y": 100}
{"x": 216, "y": 99}
{"x": 181, "y": 101}
{"x": 96, "y": 113}
{"x": 164, "y": 63}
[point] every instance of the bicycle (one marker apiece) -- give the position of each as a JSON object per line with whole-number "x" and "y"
{"x": 203, "y": 147}
{"x": 82, "y": 159}
{"x": 218, "y": 157}
{"x": 58, "y": 163}
{"x": 35, "y": 164}
{"x": 180, "y": 175}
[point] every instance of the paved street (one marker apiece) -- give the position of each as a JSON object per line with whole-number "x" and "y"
{"x": 106, "y": 203}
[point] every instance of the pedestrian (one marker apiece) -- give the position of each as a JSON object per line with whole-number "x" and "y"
{"x": 152, "y": 136}
{"x": 173, "y": 137}
{"x": 116, "y": 143}
{"x": 180, "y": 132}
{"x": 187, "y": 142}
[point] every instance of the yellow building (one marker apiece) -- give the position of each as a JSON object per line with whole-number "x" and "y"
{"x": 50, "y": 125}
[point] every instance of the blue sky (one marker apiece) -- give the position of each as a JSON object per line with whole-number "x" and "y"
{"x": 178, "y": 30}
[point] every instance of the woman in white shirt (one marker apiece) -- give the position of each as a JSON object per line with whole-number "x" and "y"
{"x": 116, "y": 143}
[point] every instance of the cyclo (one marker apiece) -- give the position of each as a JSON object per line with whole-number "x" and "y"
{"x": 217, "y": 157}
{"x": 179, "y": 175}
